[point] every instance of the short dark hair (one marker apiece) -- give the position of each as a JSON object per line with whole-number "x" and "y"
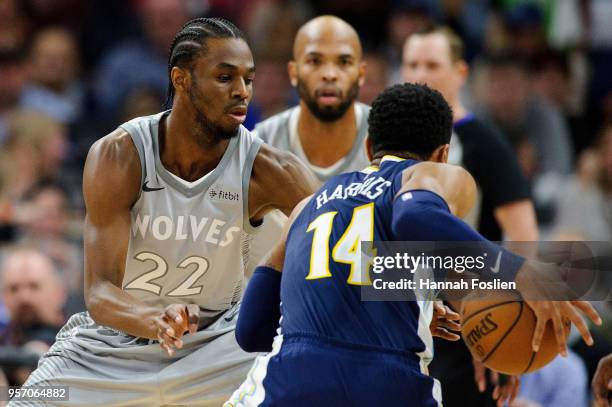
{"x": 410, "y": 118}
{"x": 189, "y": 42}
{"x": 455, "y": 43}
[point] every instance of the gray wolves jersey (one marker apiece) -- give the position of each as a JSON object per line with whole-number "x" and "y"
{"x": 187, "y": 238}
{"x": 280, "y": 131}
{"x": 185, "y": 246}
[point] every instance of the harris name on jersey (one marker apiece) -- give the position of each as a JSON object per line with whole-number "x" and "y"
{"x": 371, "y": 187}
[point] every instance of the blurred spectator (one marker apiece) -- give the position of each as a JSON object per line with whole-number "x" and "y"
{"x": 35, "y": 148}
{"x": 585, "y": 210}
{"x": 4, "y": 389}
{"x": 508, "y": 102}
{"x": 12, "y": 81}
{"x": 34, "y": 296}
{"x": 54, "y": 88}
{"x": 140, "y": 63}
{"x": 140, "y": 102}
{"x": 376, "y": 77}
{"x": 271, "y": 30}
{"x": 271, "y": 88}
{"x": 406, "y": 17}
{"x": 560, "y": 79}
{"x": 562, "y": 383}
{"x": 67, "y": 13}
{"x": 44, "y": 225}
{"x": 3, "y": 318}
{"x": 524, "y": 25}
{"x": 13, "y": 24}
{"x": 468, "y": 19}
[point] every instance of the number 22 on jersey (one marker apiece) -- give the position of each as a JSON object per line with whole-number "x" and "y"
{"x": 348, "y": 248}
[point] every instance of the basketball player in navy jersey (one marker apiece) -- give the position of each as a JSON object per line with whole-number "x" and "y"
{"x": 333, "y": 349}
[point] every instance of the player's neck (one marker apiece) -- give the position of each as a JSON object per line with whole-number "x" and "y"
{"x": 459, "y": 111}
{"x": 186, "y": 152}
{"x": 324, "y": 143}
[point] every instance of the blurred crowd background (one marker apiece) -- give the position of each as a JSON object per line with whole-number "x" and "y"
{"x": 72, "y": 70}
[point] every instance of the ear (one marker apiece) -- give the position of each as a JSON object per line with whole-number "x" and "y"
{"x": 369, "y": 147}
{"x": 181, "y": 79}
{"x": 440, "y": 154}
{"x": 463, "y": 70}
{"x": 363, "y": 65}
{"x": 292, "y": 71}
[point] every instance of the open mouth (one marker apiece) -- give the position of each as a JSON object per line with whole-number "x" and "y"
{"x": 238, "y": 114}
{"x": 328, "y": 96}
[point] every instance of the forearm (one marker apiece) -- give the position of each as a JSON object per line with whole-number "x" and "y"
{"x": 110, "y": 306}
{"x": 260, "y": 311}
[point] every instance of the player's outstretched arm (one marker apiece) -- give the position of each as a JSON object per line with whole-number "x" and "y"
{"x": 279, "y": 181}
{"x": 421, "y": 212}
{"x": 111, "y": 185}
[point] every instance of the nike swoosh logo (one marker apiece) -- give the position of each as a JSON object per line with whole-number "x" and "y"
{"x": 495, "y": 269}
{"x": 145, "y": 188}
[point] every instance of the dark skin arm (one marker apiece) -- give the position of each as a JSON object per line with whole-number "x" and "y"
{"x": 111, "y": 184}
{"x": 279, "y": 180}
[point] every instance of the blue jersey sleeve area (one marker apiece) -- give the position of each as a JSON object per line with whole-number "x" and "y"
{"x": 422, "y": 215}
{"x": 259, "y": 311}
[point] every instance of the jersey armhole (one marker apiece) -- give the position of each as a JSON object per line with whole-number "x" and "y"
{"x": 246, "y": 178}
{"x": 138, "y": 143}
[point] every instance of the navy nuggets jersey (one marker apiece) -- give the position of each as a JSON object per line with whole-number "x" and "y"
{"x": 320, "y": 289}
{"x": 334, "y": 349}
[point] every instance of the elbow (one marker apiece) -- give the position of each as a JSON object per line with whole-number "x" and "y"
{"x": 93, "y": 303}
{"x": 249, "y": 341}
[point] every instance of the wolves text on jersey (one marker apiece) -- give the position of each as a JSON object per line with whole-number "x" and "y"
{"x": 185, "y": 227}
{"x": 371, "y": 188}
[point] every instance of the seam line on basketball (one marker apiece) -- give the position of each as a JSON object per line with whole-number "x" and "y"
{"x": 499, "y": 304}
{"x": 506, "y": 333}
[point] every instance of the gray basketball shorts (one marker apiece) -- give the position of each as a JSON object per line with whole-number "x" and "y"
{"x": 105, "y": 367}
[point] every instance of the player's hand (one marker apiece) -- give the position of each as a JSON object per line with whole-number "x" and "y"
{"x": 558, "y": 312}
{"x": 444, "y": 321}
{"x": 172, "y": 324}
{"x": 506, "y": 387}
{"x": 541, "y": 283}
{"x": 602, "y": 382}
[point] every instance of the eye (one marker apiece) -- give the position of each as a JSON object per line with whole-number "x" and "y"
{"x": 346, "y": 62}
{"x": 224, "y": 78}
{"x": 248, "y": 81}
{"x": 313, "y": 60}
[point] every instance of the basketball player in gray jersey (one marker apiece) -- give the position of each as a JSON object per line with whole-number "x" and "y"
{"x": 328, "y": 128}
{"x": 170, "y": 200}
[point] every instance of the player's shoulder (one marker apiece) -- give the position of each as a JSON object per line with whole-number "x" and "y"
{"x": 272, "y": 160}
{"x": 117, "y": 146}
{"x": 112, "y": 168}
{"x": 270, "y": 129}
{"x": 362, "y": 107}
{"x": 435, "y": 169}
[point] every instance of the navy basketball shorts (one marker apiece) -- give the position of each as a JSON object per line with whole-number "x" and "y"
{"x": 306, "y": 371}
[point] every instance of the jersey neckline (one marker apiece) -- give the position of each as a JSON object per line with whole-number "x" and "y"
{"x": 202, "y": 183}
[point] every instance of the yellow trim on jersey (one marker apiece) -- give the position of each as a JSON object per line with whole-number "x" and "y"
{"x": 370, "y": 169}
{"x": 390, "y": 157}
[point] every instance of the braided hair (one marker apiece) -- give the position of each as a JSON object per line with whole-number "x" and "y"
{"x": 190, "y": 41}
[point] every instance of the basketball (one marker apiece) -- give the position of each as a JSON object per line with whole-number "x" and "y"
{"x": 498, "y": 330}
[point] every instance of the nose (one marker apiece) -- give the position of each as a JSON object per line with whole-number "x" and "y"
{"x": 329, "y": 72}
{"x": 415, "y": 74}
{"x": 240, "y": 89}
